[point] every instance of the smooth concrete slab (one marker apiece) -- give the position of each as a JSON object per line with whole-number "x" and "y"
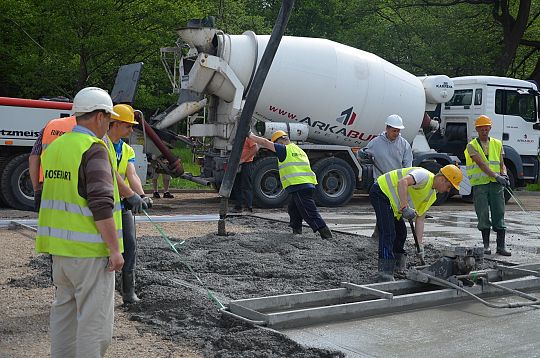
{"x": 457, "y": 330}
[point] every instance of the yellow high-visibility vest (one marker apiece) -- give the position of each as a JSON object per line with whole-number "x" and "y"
{"x": 127, "y": 152}
{"x": 419, "y": 199}
{"x": 66, "y": 226}
{"x": 477, "y": 175}
{"x": 295, "y": 169}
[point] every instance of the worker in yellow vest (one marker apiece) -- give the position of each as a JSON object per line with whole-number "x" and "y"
{"x": 80, "y": 226}
{"x": 407, "y": 194}
{"x": 488, "y": 178}
{"x": 298, "y": 180}
{"x": 124, "y": 156}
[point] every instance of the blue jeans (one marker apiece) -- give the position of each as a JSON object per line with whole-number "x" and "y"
{"x": 302, "y": 206}
{"x": 392, "y": 232}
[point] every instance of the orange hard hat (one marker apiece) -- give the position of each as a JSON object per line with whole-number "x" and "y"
{"x": 482, "y": 121}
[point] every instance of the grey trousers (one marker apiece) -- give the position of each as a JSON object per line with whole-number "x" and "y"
{"x": 82, "y": 313}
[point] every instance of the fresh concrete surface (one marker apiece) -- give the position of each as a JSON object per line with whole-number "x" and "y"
{"x": 458, "y": 330}
{"x": 444, "y": 228}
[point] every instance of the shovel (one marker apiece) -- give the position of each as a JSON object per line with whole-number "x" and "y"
{"x": 416, "y": 240}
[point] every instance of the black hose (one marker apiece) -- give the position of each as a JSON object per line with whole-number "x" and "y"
{"x": 242, "y": 129}
{"x": 534, "y": 300}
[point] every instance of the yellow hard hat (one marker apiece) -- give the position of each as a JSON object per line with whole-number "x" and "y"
{"x": 126, "y": 113}
{"x": 483, "y": 121}
{"x": 453, "y": 174}
{"x": 277, "y": 135}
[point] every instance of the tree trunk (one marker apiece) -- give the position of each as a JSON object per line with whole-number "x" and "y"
{"x": 513, "y": 31}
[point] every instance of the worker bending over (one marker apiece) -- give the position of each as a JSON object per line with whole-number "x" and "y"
{"x": 389, "y": 151}
{"x": 298, "y": 180}
{"x": 405, "y": 194}
{"x": 124, "y": 158}
{"x": 487, "y": 175}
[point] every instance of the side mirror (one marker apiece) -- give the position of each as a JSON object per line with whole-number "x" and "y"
{"x": 536, "y": 126}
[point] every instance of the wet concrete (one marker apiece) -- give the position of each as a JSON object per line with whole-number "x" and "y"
{"x": 457, "y": 330}
{"x": 266, "y": 259}
{"x": 443, "y": 228}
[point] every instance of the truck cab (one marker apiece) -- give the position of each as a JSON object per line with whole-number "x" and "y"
{"x": 511, "y": 104}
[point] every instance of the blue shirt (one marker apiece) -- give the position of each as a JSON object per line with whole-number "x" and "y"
{"x": 118, "y": 150}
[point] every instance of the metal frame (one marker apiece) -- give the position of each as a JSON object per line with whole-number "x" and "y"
{"x": 359, "y": 301}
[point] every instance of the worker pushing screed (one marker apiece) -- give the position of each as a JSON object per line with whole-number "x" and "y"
{"x": 487, "y": 174}
{"x": 405, "y": 194}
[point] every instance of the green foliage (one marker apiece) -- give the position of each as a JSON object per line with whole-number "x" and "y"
{"x": 83, "y": 43}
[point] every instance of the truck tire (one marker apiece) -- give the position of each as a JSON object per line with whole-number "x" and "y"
{"x": 336, "y": 182}
{"x": 434, "y": 167}
{"x": 267, "y": 189}
{"x": 15, "y": 183}
{"x": 3, "y": 161}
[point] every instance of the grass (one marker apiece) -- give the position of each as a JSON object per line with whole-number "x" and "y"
{"x": 185, "y": 155}
{"x": 533, "y": 187}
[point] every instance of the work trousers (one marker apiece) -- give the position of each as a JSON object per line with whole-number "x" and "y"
{"x": 82, "y": 313}
{"x": 130, "y": 241}
{"x": 302, "y": 206}
{"x": 392, "y": 232}
{"x": 242, "y": 192}
{"x": 489, "y": 197}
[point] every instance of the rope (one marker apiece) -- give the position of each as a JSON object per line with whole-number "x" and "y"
{"x": 209, "y": 293}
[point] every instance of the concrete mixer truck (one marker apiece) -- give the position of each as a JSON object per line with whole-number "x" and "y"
{"x": 329, "y": 97}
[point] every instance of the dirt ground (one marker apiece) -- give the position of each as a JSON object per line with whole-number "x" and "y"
{"x": 175, "y": 317}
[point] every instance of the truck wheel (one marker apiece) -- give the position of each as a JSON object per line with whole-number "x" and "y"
{"x": 267, "y": 189}
{"x": 434, "y": 167}
{"x": 336, "y": 182}
{"x": 15, "y": 183}
{"x": 3, "y": 161}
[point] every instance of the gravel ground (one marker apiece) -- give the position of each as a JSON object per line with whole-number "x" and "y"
{"x": 175, "y": 317}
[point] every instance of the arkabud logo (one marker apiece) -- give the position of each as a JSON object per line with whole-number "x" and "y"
{"x": 347, "y": 117}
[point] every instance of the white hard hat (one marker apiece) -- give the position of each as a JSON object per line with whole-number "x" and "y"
{"x": 394, "y": 121}
{"x": 91, "y": 99}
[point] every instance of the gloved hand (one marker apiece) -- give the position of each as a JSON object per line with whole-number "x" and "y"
{"x": 408, "y": 213}
{"x": 149, "y": 202}
{"x": 136, "y": 204}
{"x": 420, "y": 254}
{"x": 507, "y": 179}
{"x": 501, "y": 179}
{"x": 363, "y": 155}
{"x": 37, "y": 200}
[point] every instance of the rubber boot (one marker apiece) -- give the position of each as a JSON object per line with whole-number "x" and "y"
{"x": 325, "y": 233}
{"x": 401, "y": 264}
{"x": 128, "y": 287}
{"x": 375, "y": 234}
{"x": 501, "y": 250}
{"x": 485, "y": 239}
{"x": 386, "y": 270}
